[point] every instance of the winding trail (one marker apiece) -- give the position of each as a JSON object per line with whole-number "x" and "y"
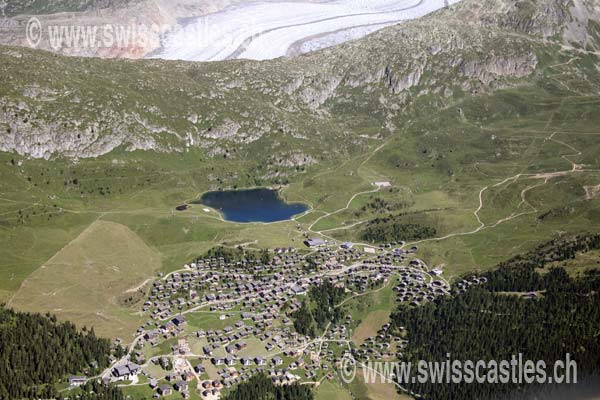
{"x": 328, "y": 214}
{"x": 546, "y": 176}
{"x": 310, "y": 228}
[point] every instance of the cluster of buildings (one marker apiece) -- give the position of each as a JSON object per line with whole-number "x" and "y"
{"x": 254, "y": 302}
{"x": 384, "y": 345}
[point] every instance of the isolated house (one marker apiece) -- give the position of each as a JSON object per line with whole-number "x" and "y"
{"x": 76, "y": 380}
{"x": 165, "y": 390}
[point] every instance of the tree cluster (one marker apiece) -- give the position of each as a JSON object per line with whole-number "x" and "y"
{"x": 37, "y": 351}
{"x": 95, "y": 390}
{"x": 484, "y": 324}
{"x": 235, "y": 254}
{"x": 260, "y": 387}
{"x": 518, "y": 274}
{"x": 314, "y": 317}
{"x": 392, "y": 229}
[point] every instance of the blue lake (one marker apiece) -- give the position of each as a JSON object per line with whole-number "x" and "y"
{"x": 253, "y": 205}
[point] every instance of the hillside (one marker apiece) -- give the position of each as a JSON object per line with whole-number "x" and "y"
{"x": 483, "y": 116}
{"x": 363, "y": 88}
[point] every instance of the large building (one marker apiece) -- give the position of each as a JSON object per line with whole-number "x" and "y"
{"x": 315, "y": 242}
{"x": 125, "y": 372}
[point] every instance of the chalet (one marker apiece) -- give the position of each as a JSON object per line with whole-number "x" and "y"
{"x": 151, "y": 335}
{"x": 207, "y": 350}
{"x": 246, "y": 361}
{"x": 181, "y": 386}
{"x": 199, "y": 369}
{"x": 165, "y": 390}
{"x": 217, "y": 361}
{"x": 277, "y": 360}
{"x": 298, "y": 290}
{"x": 182, "y": 207}
{"x": 229, "y": 360}
{"x": 179, "y": 320}
{"x": 260, "y": 361}
{"x": 347, "y": 245}
{"x": 168, "y": 327}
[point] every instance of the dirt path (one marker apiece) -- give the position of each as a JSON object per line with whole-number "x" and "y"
{"x": 138, "y": 287}
{"x": 546, "y": 176}
{"x": 310, "y": 228}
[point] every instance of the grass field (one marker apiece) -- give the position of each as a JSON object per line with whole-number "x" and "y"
{"x": 332, "y": 390}
{"x": 370, "y": 325}
{"x": 372, "y": 310}
{"x": 91, "y": 280}
{"x": 381, "y": 390}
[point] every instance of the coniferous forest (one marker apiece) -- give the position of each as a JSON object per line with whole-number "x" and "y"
{"x": 260, "y": 387}
{"x": 36, "y": 351}
{"x": 392, "y": 228}
{"x": 95, "y": 390}
{"x": 495, "y": 321}
{"x": 309, "y": 320}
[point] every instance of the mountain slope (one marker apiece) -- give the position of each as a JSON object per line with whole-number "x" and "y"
{"x": 87, "y": 107}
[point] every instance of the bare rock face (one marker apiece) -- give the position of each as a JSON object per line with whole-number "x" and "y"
{"x": 408, "y": 80}
{"x": 583, "y": 19}
{"x": 319, "y": 92}
{"x": 53, "y": 138}
{"x": 293, "y": 160}
{"x": 488, "y": 70}
{"x": 227, "y": 130}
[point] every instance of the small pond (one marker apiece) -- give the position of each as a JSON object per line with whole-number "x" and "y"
{"x": 252, "y": 205}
